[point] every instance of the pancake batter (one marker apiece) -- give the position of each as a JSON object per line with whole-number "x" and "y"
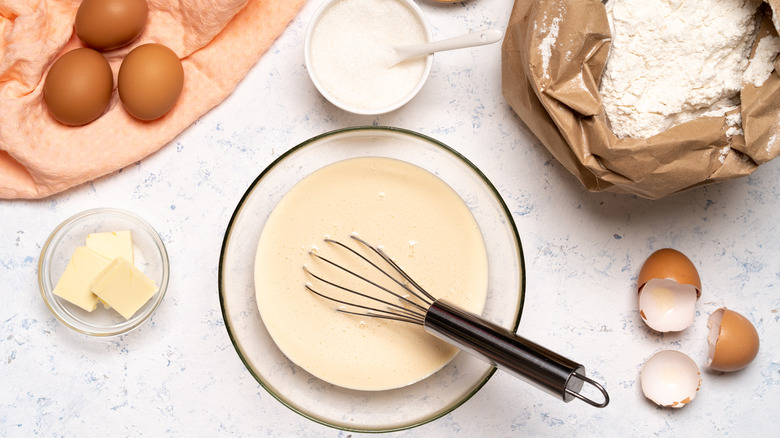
{"x": 419, "y": 221}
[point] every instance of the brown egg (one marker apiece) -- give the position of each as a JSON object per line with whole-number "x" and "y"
{"x": 733, "y": 340}
{"x": 150, "y": 81}
{"x": 78, "y": 87}
{"x": 670, "y": 264}
{"x": 668, "y": 286}
{"x": 108, "y": 24}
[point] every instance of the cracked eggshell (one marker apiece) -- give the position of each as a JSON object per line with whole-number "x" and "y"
{"x": 670, "y": 379}
{"x": 733, "y": 340}
{"x": 670, "y": 264}
{"x": 668, "y": 286}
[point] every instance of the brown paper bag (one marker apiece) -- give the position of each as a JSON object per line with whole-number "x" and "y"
{"x": 553, "y": 83}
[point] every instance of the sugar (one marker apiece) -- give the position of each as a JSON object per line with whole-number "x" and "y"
{"x": 352, "y": 52}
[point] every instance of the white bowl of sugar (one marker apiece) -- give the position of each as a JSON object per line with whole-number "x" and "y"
{"x": 349, "y": 53}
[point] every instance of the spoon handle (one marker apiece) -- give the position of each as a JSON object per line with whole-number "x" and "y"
{"x": 479, "y": 38}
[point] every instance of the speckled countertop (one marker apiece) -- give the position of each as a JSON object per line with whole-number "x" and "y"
{"x": 180, "y": 375}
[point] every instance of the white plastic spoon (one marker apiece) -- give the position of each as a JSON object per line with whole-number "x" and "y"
{"x": 479, "y": 38}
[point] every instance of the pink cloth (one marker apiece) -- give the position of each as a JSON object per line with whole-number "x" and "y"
{"x": 217, "y": 41}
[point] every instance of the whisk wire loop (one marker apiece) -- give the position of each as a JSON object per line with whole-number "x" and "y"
{"x": 394, "y": 311}
{"x": 407, "y": 315}
{"x": 386, "y": 314}
{"x": 430, "y": 298}
{"x": 370, "y": 297}
{"x": 426, "y": 298}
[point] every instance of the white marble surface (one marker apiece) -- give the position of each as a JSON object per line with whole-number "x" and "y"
{"x": 180, "y": 375}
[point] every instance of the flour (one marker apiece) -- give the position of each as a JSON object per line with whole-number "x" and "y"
{"x": 672, "y": 61}
{"x": 734, "y": 123}
{"x": 763, "y": 61}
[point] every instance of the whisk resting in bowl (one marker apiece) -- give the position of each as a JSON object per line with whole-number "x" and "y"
{"x": 549, "y": 371}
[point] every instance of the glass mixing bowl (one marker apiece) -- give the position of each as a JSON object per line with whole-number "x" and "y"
{"x": 149, "y": 254}
{"x": 345, "y": 409}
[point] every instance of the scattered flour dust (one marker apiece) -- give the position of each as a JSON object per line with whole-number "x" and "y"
{"x": 548, "y": 42}
{"x": 672, "y": 61}
{"x": 774, "y": 139}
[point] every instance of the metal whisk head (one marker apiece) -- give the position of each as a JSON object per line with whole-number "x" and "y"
{"x": 415, "y": 310}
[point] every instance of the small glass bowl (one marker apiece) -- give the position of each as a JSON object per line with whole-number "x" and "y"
{"x": 340, "y": 102}
{"x": 149, "y": 254}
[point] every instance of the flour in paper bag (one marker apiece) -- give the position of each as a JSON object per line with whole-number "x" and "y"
{"x": 672, "y": 61}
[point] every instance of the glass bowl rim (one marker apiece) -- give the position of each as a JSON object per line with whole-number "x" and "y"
{"x": 239, "y": 206}
{"x": 45, "y": 254}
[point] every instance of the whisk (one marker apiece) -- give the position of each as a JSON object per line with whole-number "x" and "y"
{"x": 549, "y": 371}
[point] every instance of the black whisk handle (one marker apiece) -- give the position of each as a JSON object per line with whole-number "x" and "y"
{"x": 549, "y": 371}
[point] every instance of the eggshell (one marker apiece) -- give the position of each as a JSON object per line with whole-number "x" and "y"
{"x": 667, "y": 306}
{"x": 668, "y": 263}
{"x": 109, "y": 24}
{"x": 78, "y": 87}
{"x": 670, "y": 379}
{"x": 733, "y": 340}
{"x": 668, "y": 286}
{"x": 150, "y": 81}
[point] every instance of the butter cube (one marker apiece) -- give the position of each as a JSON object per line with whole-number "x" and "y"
{"x": 112, "y": 244}
{"x": 123, "y": 287}
{"x": 75, "y": 284}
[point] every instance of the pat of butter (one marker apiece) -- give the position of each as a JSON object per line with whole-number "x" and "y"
{"x": 123, "y": 287}
{"x": 75, "y": 284}
{"x": 112, "y": 244}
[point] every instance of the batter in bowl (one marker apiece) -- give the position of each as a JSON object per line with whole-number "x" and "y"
{"x": 418, "y": 220}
